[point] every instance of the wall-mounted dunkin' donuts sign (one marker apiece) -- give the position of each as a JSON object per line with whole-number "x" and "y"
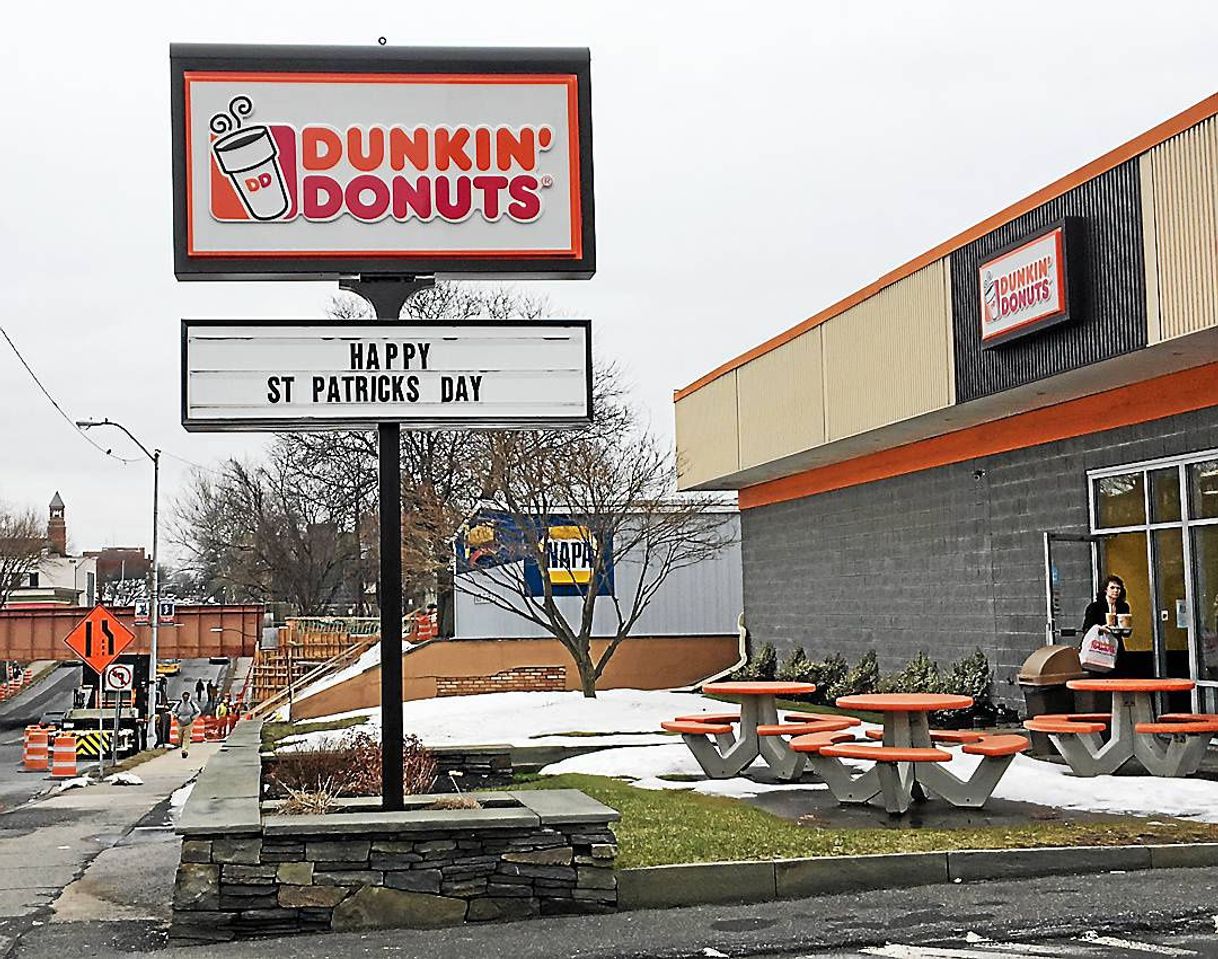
{"x": 319, "y": 162}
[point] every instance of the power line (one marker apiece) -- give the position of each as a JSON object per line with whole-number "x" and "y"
{"x": 58, "y": 408}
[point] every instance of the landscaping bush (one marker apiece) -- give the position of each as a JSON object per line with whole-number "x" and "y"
{"x": 796, "y": 667}
{"x": 862, "y": 679}
{"x": 765, "y": 667}
{"x": 920, "y": 675}
{"x": 352, "y": 767}
{"x": 830, "y": 675}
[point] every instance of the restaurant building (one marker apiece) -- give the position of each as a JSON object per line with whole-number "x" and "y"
{"x": 951, "y": 457}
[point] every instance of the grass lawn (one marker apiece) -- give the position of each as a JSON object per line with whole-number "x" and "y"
{"x": 274, "y": 733}
{"x": 673, "y": 826}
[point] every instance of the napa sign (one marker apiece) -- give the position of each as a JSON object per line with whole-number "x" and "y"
{"x": 569, "y": 550}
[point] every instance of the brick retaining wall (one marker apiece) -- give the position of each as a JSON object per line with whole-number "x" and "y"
{"x": 519, "y": 679}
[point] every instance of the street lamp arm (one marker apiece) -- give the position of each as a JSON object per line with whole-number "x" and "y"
{"x": 87, "y": 424}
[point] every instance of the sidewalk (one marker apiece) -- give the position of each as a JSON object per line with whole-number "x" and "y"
{"x": 47, "y": 844}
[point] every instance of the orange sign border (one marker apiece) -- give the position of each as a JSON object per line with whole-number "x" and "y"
{"x": 574, "y": 251}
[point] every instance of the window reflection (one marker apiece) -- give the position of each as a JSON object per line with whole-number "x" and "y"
{"x": 1120, "y": 501}
{"x": 1203, "y": 489}
{"x": 1165, "y": 495}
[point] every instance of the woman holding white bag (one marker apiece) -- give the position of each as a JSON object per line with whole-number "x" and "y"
{"x": 1109, "y": 603}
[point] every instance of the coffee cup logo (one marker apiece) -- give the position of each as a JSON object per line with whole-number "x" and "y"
{"x": 249, "y": 157}
{"x": 991, "y": 297}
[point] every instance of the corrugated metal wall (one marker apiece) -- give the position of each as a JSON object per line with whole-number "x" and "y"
{"x": 1183, "y": 206}
{"x": 703, "y": 599}
{"x": 708, "y": 433}
{"x": 782, "y": 401}
{"x": 1110, "y": 269}
{"x": 888, "y": 358}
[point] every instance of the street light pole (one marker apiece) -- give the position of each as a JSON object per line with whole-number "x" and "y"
{"x": 155, "y": 602}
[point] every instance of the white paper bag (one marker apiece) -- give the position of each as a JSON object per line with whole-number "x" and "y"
{"x": 1099, "y": 651}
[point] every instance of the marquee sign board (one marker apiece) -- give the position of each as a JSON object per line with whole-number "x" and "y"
{"x": 320, "y": 162}
{"x": 1025, "y": 287}
{"x": 322, "y": 374}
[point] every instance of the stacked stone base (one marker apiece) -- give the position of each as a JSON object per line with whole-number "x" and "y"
{"x": 240, "y": 888}
{"x": 473, "y": 767}
{"x": 247, "y": 871}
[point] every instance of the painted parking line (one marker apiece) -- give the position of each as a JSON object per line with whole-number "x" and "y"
{"x": 1134, "y": 945}
{"x": 897, "y": 951}
{"x": 1038, "y": 949}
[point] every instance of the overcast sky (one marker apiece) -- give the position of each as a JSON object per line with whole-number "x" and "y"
{"x": 754, "y": 163}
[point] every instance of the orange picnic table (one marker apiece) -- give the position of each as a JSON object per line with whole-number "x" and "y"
{"x": 908, "y": 754}
{"x": 1171, "y": 745}
{"x": 757, "y": 734}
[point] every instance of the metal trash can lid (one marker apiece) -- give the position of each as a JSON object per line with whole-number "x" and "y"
{"x": 1050, "y": 666}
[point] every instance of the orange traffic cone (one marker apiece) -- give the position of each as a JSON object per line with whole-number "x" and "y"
{"x": 63, "y": 757}
{"x": 34, "y": 757}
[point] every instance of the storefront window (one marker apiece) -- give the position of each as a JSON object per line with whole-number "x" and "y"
{"x": 1205, "y": 562}
{"x": 1165, "y": 495}
{"x": 1121, "y": 501}
{"x": 1203, "y": 489}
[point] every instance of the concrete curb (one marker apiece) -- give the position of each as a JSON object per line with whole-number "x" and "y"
{"x": 721, "y": 883}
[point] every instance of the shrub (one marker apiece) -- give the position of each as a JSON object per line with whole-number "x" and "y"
{"x": 863, "y": 678}
{"x": 831, "y": 674}
{"x": 351, "y": 767}
{"x": 796, "y": 667}
{"x": 765, "y": 668}
{"x": 970, "y": 676}
{"x": 920, "y": 675}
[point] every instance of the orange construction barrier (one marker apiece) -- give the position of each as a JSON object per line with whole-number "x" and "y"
{"x": 27, "y": 677}
{"x": 198, "y": 730}
{"x": 34, "y": 756}
{"x": 213, "y": 728}
{"x": 175, "y": 734}
{"x": 63, "y": 757}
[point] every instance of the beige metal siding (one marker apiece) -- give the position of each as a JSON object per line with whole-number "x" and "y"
{"x": 708, "y": 434}
{"x": 782, "y": 406}
{"x": 1184, "y": 205}
{"x": 889, "y": 358}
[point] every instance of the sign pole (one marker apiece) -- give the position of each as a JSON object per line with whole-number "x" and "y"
{"x": 387, "y": 296}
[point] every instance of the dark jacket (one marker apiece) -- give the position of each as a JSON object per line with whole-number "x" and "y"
{"x": 1097, "y": 612}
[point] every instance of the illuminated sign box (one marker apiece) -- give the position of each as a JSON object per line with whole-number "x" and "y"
{"x": 1025, "y": 287}
{"x": 323, "y": 374}
{"x": 320, "y": 162}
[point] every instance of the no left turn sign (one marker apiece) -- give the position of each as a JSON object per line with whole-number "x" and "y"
{"x": 118, "y": 678}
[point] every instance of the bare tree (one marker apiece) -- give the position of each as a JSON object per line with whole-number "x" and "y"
{"x": 22, "y": 541}
{"x": 264, "y": 533}
{"x": 566, "y": 513}
{"x": 442, "y": 470}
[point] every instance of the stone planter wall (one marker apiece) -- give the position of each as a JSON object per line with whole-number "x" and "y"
{"x": 480, "y": 767}
{"x": 246, "y": 872}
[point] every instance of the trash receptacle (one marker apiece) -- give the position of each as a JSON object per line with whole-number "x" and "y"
{"x": 1043, "y": 677}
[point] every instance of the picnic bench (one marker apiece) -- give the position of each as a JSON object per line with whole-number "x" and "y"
{"x": 909, "y": 755}
{"x": 1172, "y": 745}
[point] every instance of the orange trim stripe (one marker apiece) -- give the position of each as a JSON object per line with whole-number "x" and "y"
{"x": 1151, "y": 399}
{"x": 1114, "y": 158}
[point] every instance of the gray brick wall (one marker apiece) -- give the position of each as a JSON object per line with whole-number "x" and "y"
{"x": 944, "y": 560}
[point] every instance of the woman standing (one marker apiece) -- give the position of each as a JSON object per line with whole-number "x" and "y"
{"x": 1110, "y": 599}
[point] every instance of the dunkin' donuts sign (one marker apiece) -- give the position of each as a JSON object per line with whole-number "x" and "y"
{"x": 1023, "y": 288}
{"x": 319, "y": 163}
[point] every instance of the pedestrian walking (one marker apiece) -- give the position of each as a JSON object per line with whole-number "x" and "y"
{"x": 187, "y": 712}
{"x": 200, "y": 689}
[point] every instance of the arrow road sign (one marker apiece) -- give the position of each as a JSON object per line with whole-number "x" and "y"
{"x": 99, "y": 639}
